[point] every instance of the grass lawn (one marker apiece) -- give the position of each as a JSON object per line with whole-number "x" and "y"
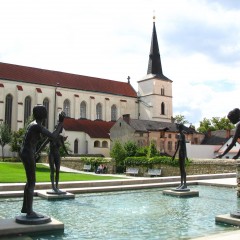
{"x": 15, "y": 173}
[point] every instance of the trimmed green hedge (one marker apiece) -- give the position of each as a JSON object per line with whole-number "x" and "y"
{"x": 148, "y": 162}
{"x": 95, "y": 160}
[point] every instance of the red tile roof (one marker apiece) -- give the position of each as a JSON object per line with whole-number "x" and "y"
{"x": 95, "y": 129}
{"x": 65, "y": 80}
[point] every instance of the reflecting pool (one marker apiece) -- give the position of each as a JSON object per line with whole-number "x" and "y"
{"x": 140, "y": 214}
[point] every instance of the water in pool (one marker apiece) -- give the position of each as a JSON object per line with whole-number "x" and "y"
{"x": 142, "y": 214}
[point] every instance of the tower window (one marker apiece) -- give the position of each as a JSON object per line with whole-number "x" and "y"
{"x": 162, "y": 108}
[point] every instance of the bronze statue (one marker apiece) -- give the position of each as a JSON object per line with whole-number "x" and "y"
{"x": 33, "y": 133}
{"x": 181, "y": 146}
{"x": 54, "y": 159}
{"x": 234, "y": 117}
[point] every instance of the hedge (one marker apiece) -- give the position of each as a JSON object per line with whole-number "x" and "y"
{"x": 148, "y": 162}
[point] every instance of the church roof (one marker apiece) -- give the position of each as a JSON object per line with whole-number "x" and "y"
{"x": 95, "y": 129}
{"x": 154, "y": 63}
{"x": 64, "y": 80}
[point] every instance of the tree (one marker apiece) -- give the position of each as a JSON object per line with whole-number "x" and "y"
{"x": 222, "y": 123}
{"x": 5, "y": 136}
{"x": 152, "y": 150}
{"x": 119, "y": 154}
{"x": 17, "y": 139}
{"x": 18, "y": 136}
{"x": 215, "y": 123}
{"x": 130, "y": 148}
{"x": 180, "y": 119}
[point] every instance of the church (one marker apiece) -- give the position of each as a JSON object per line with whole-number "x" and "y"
{"x": 92, "y": 105}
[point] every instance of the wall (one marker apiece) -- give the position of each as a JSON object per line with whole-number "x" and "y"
{"x": 77, "y": 163}
{"x": 201, "y": 151}
{"x": 197, "y": 167}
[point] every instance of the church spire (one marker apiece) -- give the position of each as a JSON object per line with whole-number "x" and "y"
{"x": 154, "y": 63}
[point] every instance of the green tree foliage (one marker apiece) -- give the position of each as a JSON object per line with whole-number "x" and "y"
{"x": 18, "y": 136}
{"x": 5, "y": 136}
{"x": 215, "y": 123}
{"x": 119, "y": 154}
{"x": 152, "y": 150}
{"x": 17, "y": 139}
{"x": 130, "y": 148}
{"x": 180, "y": 119}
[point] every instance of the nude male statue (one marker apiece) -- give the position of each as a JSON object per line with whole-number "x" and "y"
{"x": 33, "y": 133}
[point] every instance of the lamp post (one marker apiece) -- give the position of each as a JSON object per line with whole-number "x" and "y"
{"x": 55, "y": 104}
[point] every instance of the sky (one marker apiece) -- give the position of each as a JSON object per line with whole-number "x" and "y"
{"x": 199, "y": 42}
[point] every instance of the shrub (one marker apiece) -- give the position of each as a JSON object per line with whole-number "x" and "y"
{"x": 136, "y": 161}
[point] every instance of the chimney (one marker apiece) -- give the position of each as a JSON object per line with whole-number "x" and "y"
{"x": 209, "y": 133}
{"x": 126, "y": 118}
{"x": 228, "y": 133}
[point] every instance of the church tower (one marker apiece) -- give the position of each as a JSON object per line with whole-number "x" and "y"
{"x": 155, "y": 90}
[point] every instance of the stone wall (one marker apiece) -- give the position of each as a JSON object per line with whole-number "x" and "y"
{"x": 196, "y": 167}
{"x": 77, "y": 163}
{"x": 204, "y": 166}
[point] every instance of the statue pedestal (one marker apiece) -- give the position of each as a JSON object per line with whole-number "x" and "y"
{"x": 181, "y": 193}
{"x": 32, "y": 221}
{"x": 9, "y": 227}
{"x": 228, "y": 219}
{"x": 50, "y": 195}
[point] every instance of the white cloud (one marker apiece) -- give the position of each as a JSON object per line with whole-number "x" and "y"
{"x": 198, "y": 43}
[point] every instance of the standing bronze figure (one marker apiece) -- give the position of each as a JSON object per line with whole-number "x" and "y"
{"x": 181, "y": 146}
{"x": 54, "y": 159}
{"x": 234, "y": 117}
{"x": 33, "y": 133}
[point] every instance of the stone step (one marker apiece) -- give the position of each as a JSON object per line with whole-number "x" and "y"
{"x": 5, "y": 187}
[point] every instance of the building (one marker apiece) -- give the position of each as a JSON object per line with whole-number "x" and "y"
{"x": 87, "y": 101}
{"x": 143, "y": 132}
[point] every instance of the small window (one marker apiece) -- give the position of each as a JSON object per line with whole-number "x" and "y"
{"x": 76, "y": 146}
{"x": 104, "y": 144}
{"x": 96, "y": 144}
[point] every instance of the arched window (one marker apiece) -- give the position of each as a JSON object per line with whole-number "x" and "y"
{"x": 66, "y": 107}
{"x": 162, "y": 91}
{"x": 76, "y": 146}
{"x": 162, "y": 108}
{"x": 99, "y": 111}
{"x": 96, "y": 144}
{"x": 113, "y": 113}
{"x": 104, "y": 144}
{"x": 83, "y": 110}
{"x": 27, "y": 108}
{"x": 46, "y": 104}
{"x": 8, "y": 110}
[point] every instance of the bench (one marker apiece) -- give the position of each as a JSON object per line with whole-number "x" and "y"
{"x": 87, "y": 167}
{"x": 154, "y": 172}
{"x": 133, "y": 171}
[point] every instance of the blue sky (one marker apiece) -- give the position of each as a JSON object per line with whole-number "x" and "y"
{"x": 199, "y": 43}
